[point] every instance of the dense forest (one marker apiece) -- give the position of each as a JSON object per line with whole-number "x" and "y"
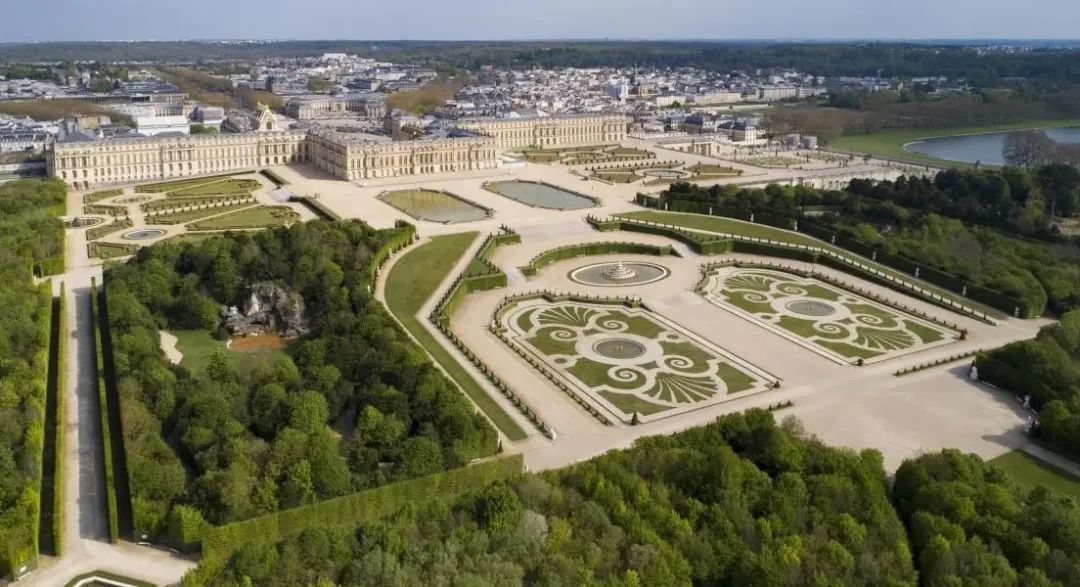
{"x": 30, "y": 234}
{"x": 1048, "y": 370}
{"x": 351, "y": 405}
{"x": 738, "y": 502}
{"x": 742, "y": 501}
{"x": 958, "y": 222}
{"x": 970, "y": 525}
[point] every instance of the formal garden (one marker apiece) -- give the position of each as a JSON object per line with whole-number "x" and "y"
{"x": 624, "y": 357}
{"x": 826, "y": 318}
{"x": 586, "y": 154}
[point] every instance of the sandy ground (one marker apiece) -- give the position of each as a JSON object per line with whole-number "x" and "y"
{"x": 168, "y": 346}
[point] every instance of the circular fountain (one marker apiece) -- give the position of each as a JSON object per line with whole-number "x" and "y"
{"x": 619, "y": 273}
{"x": 142, "y": 234}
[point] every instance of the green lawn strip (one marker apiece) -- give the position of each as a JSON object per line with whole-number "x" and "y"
{"x": 100, "y": 195}
{"x": 847, "y": 350}
{"x": 185, "y": 216}
{"x": 738, "y": 300}
{"x": 197, "y": 346}
{"x": 228, "y": 187}
{"x": 891, "y": 143}
{"x": 595, "y": 374}
{"x": 705, "y": 223}
{"x": 629, "y": 404}
{"x": 410, "y": 283}
{"x": 547, "y": 344}
{"x": 925, "y": 333}
{"x": 1028, "y": 471}
{"x": 256, "y": 217}
{"x": 805, "y": 328}
{"x": 101, "y": 250}
{"x": 734, "y": 379}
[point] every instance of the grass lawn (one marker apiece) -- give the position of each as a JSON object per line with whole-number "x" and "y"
{"x": 198, "y": 346}
{"x": 229, "y": 187}
{"x": 410, "y": 283}
{"x": 731, "y": 226}
{"x": 891, "y": 143}
{"x": 721, "y": 224}
{"x": 191, "y": 238}
{"x": 256, "y": 217}
{"x": 1028, "y": 471}
{"x": 98, "y": 196}
{"x": 101, "y": 250}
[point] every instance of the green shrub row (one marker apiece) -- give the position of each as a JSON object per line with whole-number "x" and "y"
{"x": 351, "y": 510}
{"x": 404, "y": 236}
{"x": 106, "y": 436}
{"x": 703, "y": 243}
{"x": 936, "y": 362}
{"x": 178, "y": 204}
{"x": 488, "y": 277}
{"x": 61, "y": 417}
{"x": 105, "y": 210}
{"x": 21, "y": 547}
{"x": 980, "y": 294}
{"x": 105, "y": 229}
{"x": 100, "y": 195}
{"x": 112, "y": 578}
{"x": 273, "y": 177}
{"x": 182, "y": 215}
{"x": 317, "y": 208}
{"x": 586, "y": 249}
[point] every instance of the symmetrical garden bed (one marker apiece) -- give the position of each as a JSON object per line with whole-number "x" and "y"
{"x": 830, "y": 320}
{"x": 623, "y": 357}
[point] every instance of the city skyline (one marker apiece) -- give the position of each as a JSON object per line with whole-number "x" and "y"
{"x": 554, "y": 20}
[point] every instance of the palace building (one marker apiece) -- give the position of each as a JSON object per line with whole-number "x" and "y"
{"x": 475, "y": 145}
{"x": 551, "y": 131}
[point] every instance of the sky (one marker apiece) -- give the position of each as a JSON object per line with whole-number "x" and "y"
{"x": 87, "y": 20}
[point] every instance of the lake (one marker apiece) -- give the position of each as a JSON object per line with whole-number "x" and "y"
{"x": 985, "y": 148}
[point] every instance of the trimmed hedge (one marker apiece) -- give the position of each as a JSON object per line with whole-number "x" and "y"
{"x": 273, "y": 177}
{"x": 317, "y": 208}
{"x": 97, "y": 319}
{"x": 585, "y": 249}
{"x": 179, "y": 184}
{"x": 406, "y": 234}
{"x": 366, "y": 506}
{"x": 61, "y": 419}
{"x": 488, "y": 277}
{"x": 983, "y": 295}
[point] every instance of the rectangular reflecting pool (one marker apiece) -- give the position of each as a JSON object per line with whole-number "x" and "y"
{"x": 541, "y": 195}
{"x": 434, "y": 206}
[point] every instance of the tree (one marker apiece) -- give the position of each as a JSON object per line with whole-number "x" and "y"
{"x": 1027, "y": 148}
{"x": 420, "y": 456}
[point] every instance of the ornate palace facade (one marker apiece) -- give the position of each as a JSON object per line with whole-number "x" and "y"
{"x": 86, "y": 164}
{"x": 551, "y": 131}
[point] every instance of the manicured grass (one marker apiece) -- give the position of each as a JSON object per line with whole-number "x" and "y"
{"x": 191, "y": 238}
{"x": 101, "y": 250}
{"x": 179, "y": 184}
{"x": 410, "y": 283}
{"x": 891, "y": 144}
{"x": 98, "y": 196}
{"x": 198, "y": 347}
{"x": 632, "y": 403}
{"x": 229, "y": 187}
{"x": 1031, "y": 472}
{"x": 257, "y": 217}
{"x": 707, "y": 169}
{"x": 727, "y": 225}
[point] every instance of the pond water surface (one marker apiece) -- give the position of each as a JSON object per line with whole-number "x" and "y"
{"x": 984, "y": 148}
{"x": 541, "y": 195}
